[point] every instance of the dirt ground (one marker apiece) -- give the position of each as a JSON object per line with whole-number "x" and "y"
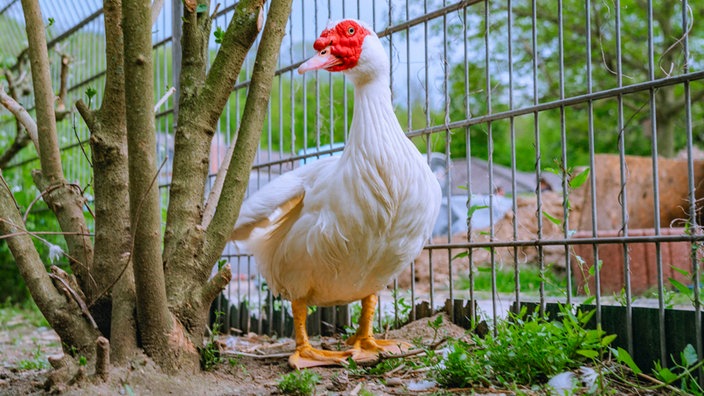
{"x": 244, "y": 370}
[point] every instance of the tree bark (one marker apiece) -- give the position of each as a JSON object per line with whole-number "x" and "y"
{"x": 156, "y": 325}
{"x": 200, "y": 106}
{"x": 237, "y": 178}
{"x": 77, "y": 334}
{"x": 113, "y": 268}
{"x": 190, "y": 294}
{"x": 65, "y": 200}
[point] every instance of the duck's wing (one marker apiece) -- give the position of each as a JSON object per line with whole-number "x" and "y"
{"x": 278, "y": 201}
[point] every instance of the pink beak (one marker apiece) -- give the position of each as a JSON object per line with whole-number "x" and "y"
{"x": 322, "y": 60}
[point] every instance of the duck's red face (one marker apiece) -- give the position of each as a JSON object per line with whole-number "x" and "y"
{"x": 339, "y": 47}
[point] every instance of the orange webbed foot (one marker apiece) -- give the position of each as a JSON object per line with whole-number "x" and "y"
{"x": 307, "y": 356}
{"x": 368, "y": 348}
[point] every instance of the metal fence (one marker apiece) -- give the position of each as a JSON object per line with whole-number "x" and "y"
{"x": 547, "y": 128}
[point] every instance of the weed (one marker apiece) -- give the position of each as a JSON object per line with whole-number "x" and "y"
{"x": 530, "y": 279}
{"x": 301, "y": 383}
{"x": 682, "y": 374}
{"x": 36, "y": 363}
{"x": 526, "y": 349}
{"x": 210, "y": 352}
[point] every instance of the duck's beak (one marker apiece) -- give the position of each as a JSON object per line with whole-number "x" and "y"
{"x": 322, "y": 60}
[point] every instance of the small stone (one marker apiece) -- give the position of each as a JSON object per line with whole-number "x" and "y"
{"x": 394, "y": 381}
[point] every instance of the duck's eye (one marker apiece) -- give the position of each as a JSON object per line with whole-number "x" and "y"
{"x": 324, "y": 52}
{"x": 350, "y": 31}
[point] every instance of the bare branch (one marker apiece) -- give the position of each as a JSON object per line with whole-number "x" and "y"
{"x": 235, "y": 182}
{"x": 49, "y": 155}
{"x": 69, "y": 289}
{"x": 63, "y": 88}
{"x": 164, "y": 98}
{"x": 21, "y": 114}
{"x": 200, "y": 107}
{"x": 156, "y": 10}
{"x": 63, "y": 317}
{"x": 217, "y": 283}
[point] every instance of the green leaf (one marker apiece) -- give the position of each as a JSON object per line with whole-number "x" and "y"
{"x": 474, "y": 208}
{"x": 624, "y": 357}
{"x": 578, "y": 180}
{"x": 554, "y": 220}
{"x": 665, "y": 375}
{"x": 682, "y": 288}
{"x": 201, "y": 8}
{"x": 689, "y": 355}
{"x": 460, "y": 255}
{"x": 607, "y": 340}
{"x": 219, "y": 34}
{"x": 51, "y": 21}
{"x": 682, "y": 272}
{"x": 90, "y": 92}
{"x": 588, "y": 353}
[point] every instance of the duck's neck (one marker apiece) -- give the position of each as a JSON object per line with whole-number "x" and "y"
{"x": 374, "y": 124}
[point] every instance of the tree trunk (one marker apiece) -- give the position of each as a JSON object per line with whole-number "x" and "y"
{"x": 114, "y": 308}
{"x": 161, "y": 336}
{"x": 666, "y": 121}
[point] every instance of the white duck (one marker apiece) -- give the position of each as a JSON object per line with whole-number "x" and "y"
{"x": 341, "y": 228}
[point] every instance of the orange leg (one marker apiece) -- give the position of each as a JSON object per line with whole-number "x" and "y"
{"x": 364, "y": 345}
{"x": 305, "y": 355}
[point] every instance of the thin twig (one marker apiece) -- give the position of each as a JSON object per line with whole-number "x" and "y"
{"x": 21, "y": 114}
{"x": 68, "y": 289}
{"x": 14, "y": 234}
{"x": 33, "y": 234}
{"x": 9, "y": 190}
{"x": 164, "y": 98}
{"x": 78, "y": 139}
{"x": 157, "y": 5}
{"x": 37, "y": 198}
{"x": 414, "y": 352}
{"x": 255, "y": 356}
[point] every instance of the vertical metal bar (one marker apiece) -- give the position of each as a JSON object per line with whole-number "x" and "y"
{"x": 563, "y": 148}
{"x": 317, "y": 85}
{"x": 292, "y": 90}
{"x": 431, "y": 274}
{"x": 490, "y": 159}
{"x": 468, "y": 156}
{"x": 536, "y": 130}
{"x": 656, "y": 187}
{"x": 304, "y": 102}
{"x": 448, "y": 158}
{"x": 590, "y": 131}
{"x": 512, "y": 127}
{"x": 694, "y": 226}
{"x": 409, "y": 127}
{"x": 623, "y": 195}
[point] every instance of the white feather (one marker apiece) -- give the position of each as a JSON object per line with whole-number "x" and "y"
{"x": 341, "y": 228}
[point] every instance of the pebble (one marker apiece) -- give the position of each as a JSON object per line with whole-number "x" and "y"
{"x": 394, "y": 381}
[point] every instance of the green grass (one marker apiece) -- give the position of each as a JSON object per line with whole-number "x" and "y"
{"x": 299, "y": 383}
{"x": 27, "y": 310}
{"x": 530, "y": 278}
{"x": 38, "y": 362}
{"x": 527, "y": 349}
